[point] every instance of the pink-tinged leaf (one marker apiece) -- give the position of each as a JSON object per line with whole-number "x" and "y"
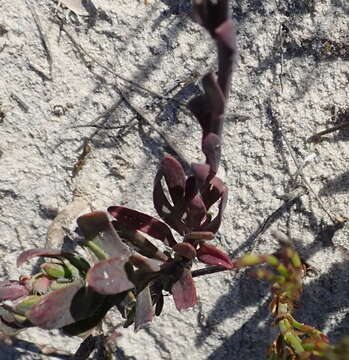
{"x": 174, "y": 177}
{"x": 227, "y": 54}
{"x": 75, "y": 260}
{"x": 142, "y": 263}
{"x": 184, "y": 291}
{"x": 139, "y": 242}
{"x": 134, "y": 220}
{"x": 97, "y": 228}
{"x": 185, "y": 250}
{"x": 32, "y": 253}
{"x": 166, "y": 211}
{"x": 144, "y": 309}
{"x": 211, "y": 147}
{"x": 54, "y": 310}
{"x": 108, "y": 277}
{"x": 12, "y": 290}
{"x": 200, "y": 107}
{"x": 214, "y": 225}
{"x": 215, "y": 97}
{"x": 191, "y": 188}
{"x": 196, "y": 213}
{"x": 202, "y": 174}
{"x": 210, "y": 255}
{"x": 213, "y": 192}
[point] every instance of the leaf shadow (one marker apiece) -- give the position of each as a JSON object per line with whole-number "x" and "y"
{"x": 338, "y": 185}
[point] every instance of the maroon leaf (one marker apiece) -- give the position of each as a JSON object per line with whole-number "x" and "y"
{"x": 174, "y": 177}
{"x": 144, "y": 264}
{"x": 96, "y": 227}
{"x": 209, "y": 254}
{"x": 186, "y": 250}
{"x": 202, "y": 174}
{"x": 215, "y": 97}
{"x": 213, "y": 192}
{"x": 200, "y": 107}
{"x": 216, "y": 18}
{"x": 172, "y": 216}
{"x": 211, "y": 147}
{"x": 54, "y": 310}
{"x": 191, "y": 188}
{"x": 144, "y": 309}
{"x": 75, "y": 260}
{"x": 227, "y": 54}
{"x": 211, "y": 14}
{"x": 135, "y": 220}
{"x": 32, "y": 253}
{"x": 196, "y": 213}
{"x": 108, "y": 277}
{"x": 184, "y": 291}
{"x": 214, "y": 225}
{"x": 12, "y": 290}
{"x": 140, "y": 242}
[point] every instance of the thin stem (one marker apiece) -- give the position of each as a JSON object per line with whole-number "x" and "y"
{"x": 208, "y": 270}
{"x": 316, "y": 137}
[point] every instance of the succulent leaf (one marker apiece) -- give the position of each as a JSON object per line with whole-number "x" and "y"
{"x": 210, "y": 255}
{"x": 144, "y": 309}
{"x": 100, "y": 235}
{"x": 12, "y": 290}
{"x": 184, "y": 291}
{"x": 108, "y": 277}
{"x": 134, "y": 220}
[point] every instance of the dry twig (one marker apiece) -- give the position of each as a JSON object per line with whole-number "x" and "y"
{"x": 43, "y": 37}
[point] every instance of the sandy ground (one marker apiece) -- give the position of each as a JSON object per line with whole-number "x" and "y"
{"x": 292, "y": 81}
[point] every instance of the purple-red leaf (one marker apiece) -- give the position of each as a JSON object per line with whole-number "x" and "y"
{"x": 191, "y": 188}
{"x": 140, "y": 242}
{"x": 144, "y": 264}
{"x": 77, "y": 261}
{"x": 196, "y": 213}
{"x": 184, "y": 291}
{"x": 202, "y": 174}
{"x": 108, "y": 277}
{"x": 174, "y": 175}
{"x": 211, "y": 147}
{"x": 11, "y": 290}
{"x": 166, "y": 211}
{"x": 214, "y": 225}
{"x": 215, "y": 97}
{"x": 134, "y": 220}
{"x": 210, "y": 14}
{"x": 185, "y": 250}
{"x": 96, "y": 227}
{"x": 227, "y": 54}
{"x": 32, "y": 253}
{"x": 144, "y": 309}
{"x": 210, "y": 255}
{"x": 213, "y": 191}
{"x": 54, "y": 310}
